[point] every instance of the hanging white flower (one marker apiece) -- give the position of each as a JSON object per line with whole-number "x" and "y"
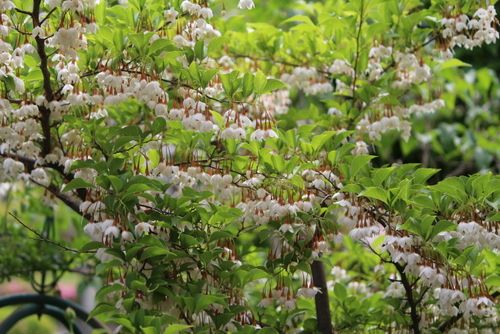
{"x": 246, "y": 4}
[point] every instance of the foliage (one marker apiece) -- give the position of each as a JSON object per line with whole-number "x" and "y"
{"x": 222, "y": 159}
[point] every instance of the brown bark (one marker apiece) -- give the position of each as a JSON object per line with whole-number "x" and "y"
{"x": 323, "y": 316}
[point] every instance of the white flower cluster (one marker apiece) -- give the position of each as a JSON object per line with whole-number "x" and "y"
{"x": 21, "y": 136}
{"x": 198, "y": 29}
{"x": 307, "y": 289}
{"x": 26, "y": 111}
{"x": 265, "y": 208}
{"x": 238, "y": 124}
{"x": 395, "y": 290}
{"x": 40, "y": 176}
{"x": 385, "y": 124}
{"x": 198, "y": 179}
{"x": 398, "y": 121}
{"x": 233, "y": 132}
{"x": 427, "y": 108}
{"x": 377, "y": 55}
{"x": 261, "y": 134}
{"x": 194, "y": 10}
{"x": 471, "y": 32}
{"x": 341, "y": 67}
{"x": 6, "y": 5}
{"x": 12, "y": 169}
{"x": 67, "y": 73}
{"x": 5, "y": 24}
{"x": 380, "y": 52}
{"x": 481, "y": 307}
{"x": 410, "y": 70}
{"x": 472, "y": 234}
{"x": 281, "y": 295}
{"x": 448, "y": 301}
{"x": 308, "y": 79}
{"x": 448, "y": 288}
{"x": 452, "y": 302}
{"x": 246, "y": 4}
{"x": 277, "y": 102}
{"x": 107, "y": 231}
{"x": 11, "y": 60}
{"x": 69, "y": 40}
{"x": 361, "y": 148}
{"x": 77, "y": 6}
{"x": 96, "y": 210}
{"x": 118, "y": 88}
{"x": 170, "y": 15}
{"x": 194, "y": 116}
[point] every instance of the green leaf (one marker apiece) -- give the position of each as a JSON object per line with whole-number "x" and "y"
{"x": 218, "y": 119}
{"x": 273, "y": 84}
{"x": 260, "y": 83}
{"x": 76, "y": 183}
{"x": 441, "y": 226}
{"x": 299, "y": 18}
{"x": 493, "y": 281}
{"x": 100, "y": 13}
{"x": 403, "y": 191}
{"x": 100, "y": 309}
{"x": 332, "y": 157}
{"x": 376, "y": 193}
{"x": 189, "y": 241}
{"x": 199, "y": 50}
{"x": 411, "y": 226}
{"x": 207, "y": 76}
{"x": 159, "y": 125}
{"x": 105, "y": 290}
{"x": 176, "y": 328}
{"x": 35, "y": 75}
{"x": 149, "y": 330}
{"x": 423, "y": 174}
{"x": 267, "y": 330}
{"x": 358, "y": 162}
{"x": 247, "y": 85}
{"x": 255, "y": 274}
{"x": 217, "y": 235}
{"x": 137, "y": 188}
{"x": 451, "y": 63}
{"x": 194, "y": 73}
{"x": 381, "y": 174}
{"x": 340, "y": 291}
{"x": 116, "y": 182}
{"x": 278, "y": 162}
{"x": 453, "y": 188}
{"x": 160, "y": 45}
{"x": 92, "y": 245}
{"x": 230, "y": 82}
{"x": 203, "y": 301}
{"x": 320, "y": 140}
{"x": 153, "y": 251}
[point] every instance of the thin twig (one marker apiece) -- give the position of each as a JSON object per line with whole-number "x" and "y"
{"x": 24, "y": 12}
{"x": 358, "y": 51}
{"x": 42, "y": 238}
{"x": 73, "y": 204}
{"x": 48, "y": 15}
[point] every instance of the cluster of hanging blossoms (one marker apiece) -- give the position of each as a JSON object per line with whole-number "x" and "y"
{"x": 168, "y": 126}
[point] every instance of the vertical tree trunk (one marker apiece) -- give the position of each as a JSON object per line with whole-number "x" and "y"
{"x": 321, "y": 299}
{"x": 415, "y": 317}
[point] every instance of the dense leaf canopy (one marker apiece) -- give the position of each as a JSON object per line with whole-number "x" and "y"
{"x": 273, "y": 167}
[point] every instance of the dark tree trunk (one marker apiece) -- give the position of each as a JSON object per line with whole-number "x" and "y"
{"x": 321, "y": 299}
